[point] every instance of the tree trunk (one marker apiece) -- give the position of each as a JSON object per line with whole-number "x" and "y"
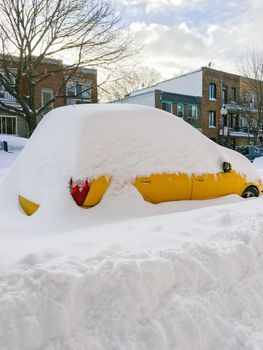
{"x": 32, "y": 123}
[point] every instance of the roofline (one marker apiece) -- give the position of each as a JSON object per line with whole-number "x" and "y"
{"x": 154, "y": 91}
{"x": 182, "y": 75}
{"x": 163, "y": 81}
{"x": 223, "y": 71}
{"x": 56, "y": 61}
{"x": 182, "y": 102}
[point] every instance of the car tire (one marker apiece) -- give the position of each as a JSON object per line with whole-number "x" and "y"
{"x": 250, "y": 192}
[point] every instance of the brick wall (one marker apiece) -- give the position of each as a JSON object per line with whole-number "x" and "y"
{"x": 220, "y": 79}
{"x": 55, "y": 73}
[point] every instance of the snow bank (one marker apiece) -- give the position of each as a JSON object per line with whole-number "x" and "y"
{"x": 15, "y": 145}
{"x": 14, "y": 141}
{"x": 180, "y": 281}
{"x": 258, "y": 163}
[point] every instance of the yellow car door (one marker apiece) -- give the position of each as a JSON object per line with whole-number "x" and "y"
{"x": 207, "y": 186}
{"x": 159, "y": 188}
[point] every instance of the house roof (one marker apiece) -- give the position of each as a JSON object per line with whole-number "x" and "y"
{"x": 173, "y": 97}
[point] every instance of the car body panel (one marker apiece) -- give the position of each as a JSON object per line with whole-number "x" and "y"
{"x": 28, "y": 206}
{"x": 97, "y": 189}
{"x": 212, "y": 185}
{"x": 158, "y": 188}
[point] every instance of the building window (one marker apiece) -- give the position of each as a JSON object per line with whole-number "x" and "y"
{"x": 71, "y": 89}
{"x": 78, "y": 90}
{"x": 167, "y": 106}
{"x": 180, "y": 110}
{"x": 47, "y": 95}
{"x": 212, "y": 91}
{"x": 212, "y": 119}
{"x": 8, "y": 125}
{"x": 243, "y": 121}
{"x": 82, "y": 91}
{"x": 234, "y": 94}
{"x": 224, "y": 95}
{"x": 4, "y": 95}
{"x": 252, "y": 100}
{"x": 192, "y": 111}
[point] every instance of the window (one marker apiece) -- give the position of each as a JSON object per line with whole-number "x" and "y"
{"x": 192, "y": 111}
{"x": 212, "y": 119}
{"x": 10, "y": 80}
{"x": 83, "y": 91}
{"x": 234, "y": 94}
{"x": 212, "y": 91}
{"x": 71, "y": 89}
{"x": 224, "y": 95}
{"x": 243, "y": 121}
{"x": 78, "y": 90}
{"x": 252, "y": 100}
{"x": 180, "y": 110}
{"x": 245, "y": 98}
{"x": 47, "y": 95}
{"x": 7, "y": 125}
{"x": 167, "y": 106}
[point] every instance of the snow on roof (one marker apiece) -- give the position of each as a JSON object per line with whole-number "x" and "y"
{"x": 118, "y": 140}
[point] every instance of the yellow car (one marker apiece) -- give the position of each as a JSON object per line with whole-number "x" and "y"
{"x": 82, "y": 150}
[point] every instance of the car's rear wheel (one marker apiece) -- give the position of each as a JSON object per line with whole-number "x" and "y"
{"x": 250, "y": 192}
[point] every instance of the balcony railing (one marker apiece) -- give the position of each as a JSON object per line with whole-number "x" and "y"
{"x": 7, "y": 98}
{"x": 243, "y": 131}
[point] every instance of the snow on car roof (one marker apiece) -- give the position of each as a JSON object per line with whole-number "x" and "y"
{"x": 118, "y": 140}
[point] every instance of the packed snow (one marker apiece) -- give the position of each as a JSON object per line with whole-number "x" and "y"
{"x": 126, "y": 274}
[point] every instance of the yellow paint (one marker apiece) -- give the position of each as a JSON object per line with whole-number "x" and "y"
{"x": 28, "y": 206}
{"x": 96, "y": 192}
{"x": 212, "y": 185}
{"x": 158, "y": 188}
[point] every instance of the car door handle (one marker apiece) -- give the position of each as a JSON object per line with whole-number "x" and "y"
{"x": 200, "y": 178}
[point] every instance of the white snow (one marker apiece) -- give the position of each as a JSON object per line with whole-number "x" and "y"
{"x": 15, "y": 144}
{"x": 126, "y": 274}
{"x": 119, "y": 141}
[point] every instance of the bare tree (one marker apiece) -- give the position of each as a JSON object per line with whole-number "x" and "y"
{"x": 31, "y": 31}
{"x": 251, "y": 103}
{"x": 126, "y": 80}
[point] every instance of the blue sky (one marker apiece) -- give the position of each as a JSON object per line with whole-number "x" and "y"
{"x": 179, "y": 35}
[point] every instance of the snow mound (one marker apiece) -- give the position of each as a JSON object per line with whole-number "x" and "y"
{"x": 161, "y": 283}
{"x": 121, "y": 141}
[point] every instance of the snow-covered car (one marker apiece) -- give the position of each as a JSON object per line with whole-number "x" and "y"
{"x": 81, "y": 150}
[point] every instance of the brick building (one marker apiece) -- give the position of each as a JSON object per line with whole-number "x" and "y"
{"x": 210, "y": 100}
{"x": 81, "y": 87}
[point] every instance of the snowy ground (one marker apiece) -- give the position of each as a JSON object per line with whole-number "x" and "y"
{"x": 134, "y": 276}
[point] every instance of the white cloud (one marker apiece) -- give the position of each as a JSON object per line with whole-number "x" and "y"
{"x": 184, "y": 27}
{"x": 180, "y": 48}
{"x": 156, "y": 5}
{"x": 184, "y": 39}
